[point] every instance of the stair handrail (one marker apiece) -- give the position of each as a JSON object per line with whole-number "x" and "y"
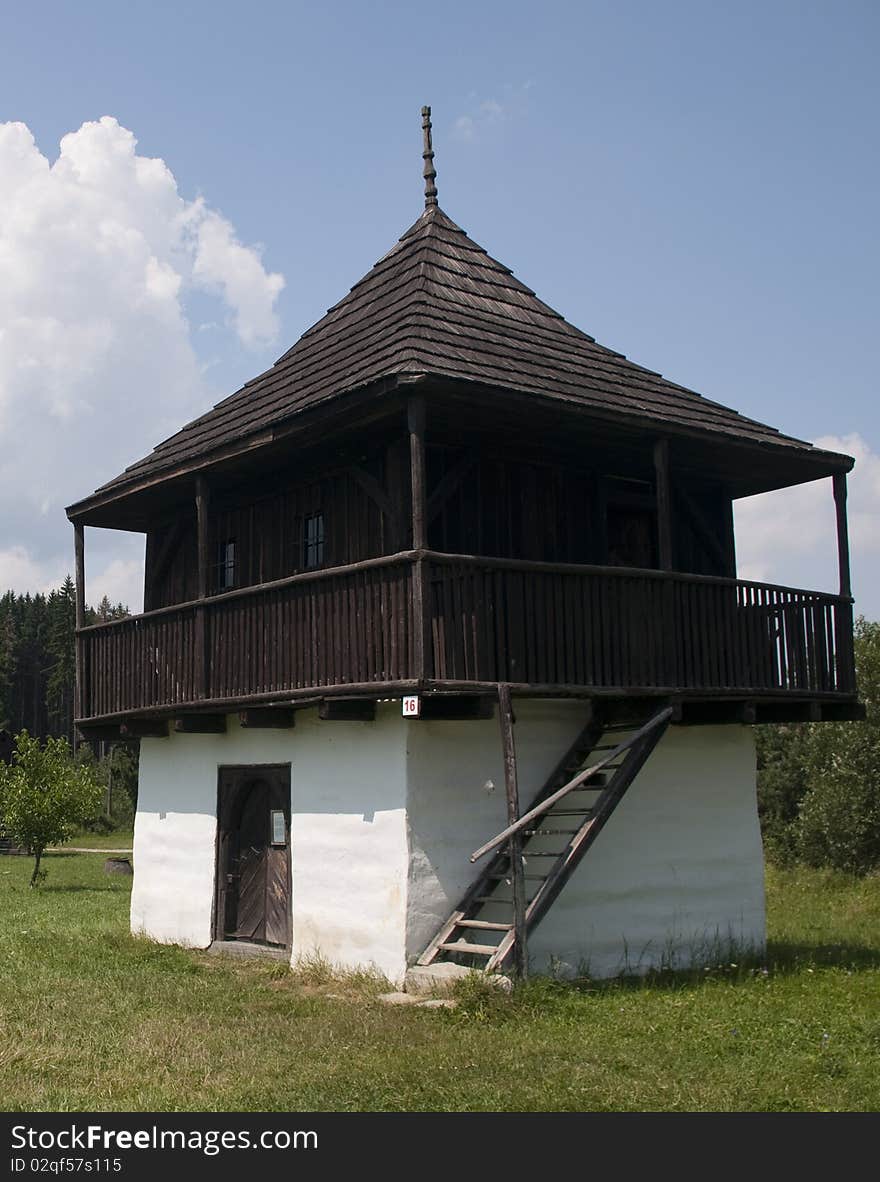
{"x": 659, "y": 719}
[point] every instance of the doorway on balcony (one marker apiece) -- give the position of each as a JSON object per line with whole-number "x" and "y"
{"x": 253, "y": 897}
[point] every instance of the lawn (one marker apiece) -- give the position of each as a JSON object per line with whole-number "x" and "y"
{"x": 121, "y": 840}
{"x": 94, "y": 1020}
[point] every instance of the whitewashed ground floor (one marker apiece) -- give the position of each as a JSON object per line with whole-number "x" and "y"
{"x": 384, "y": 816}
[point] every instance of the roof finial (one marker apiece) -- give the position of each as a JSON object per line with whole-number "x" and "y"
{"x": 429, "y": 172}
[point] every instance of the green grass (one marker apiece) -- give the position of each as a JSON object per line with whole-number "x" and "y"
{"x": 93, "y": 1019}
{"x": 104, "y": 841}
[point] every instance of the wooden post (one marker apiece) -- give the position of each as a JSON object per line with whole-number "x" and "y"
{"x": 664, "y": 503}
{"x": 508, "y": 745}
{"x": 416, "y": 417}
{"x": 202, "y": 500}
{"x": 200, "y": 621}
{"x": 79, "y": 693}
{"x": 729, "y": 536}
{"x": 839, "y": 481}
{"x": 79, "y": 544}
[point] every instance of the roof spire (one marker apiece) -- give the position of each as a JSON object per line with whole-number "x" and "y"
{"x": 429, "y": 172}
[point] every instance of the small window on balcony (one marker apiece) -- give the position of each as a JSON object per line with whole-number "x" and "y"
{"x": 313, "y": 541}
{"x": 224, "y": 568}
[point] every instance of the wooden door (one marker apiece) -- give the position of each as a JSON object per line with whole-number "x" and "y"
{"x": 253, "y": 855}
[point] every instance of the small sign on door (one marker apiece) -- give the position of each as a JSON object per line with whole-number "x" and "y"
{"x": 412, "y": 706}
{"x": 279, "y": 831}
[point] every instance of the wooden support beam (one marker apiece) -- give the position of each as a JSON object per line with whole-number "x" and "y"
{"x": 159, "y": 562}
{"x": 81, "y": 680}
{"x": 268, "y": 717}
{"x": 347, "y": 710}
{"x": 704, "y": 528}
{"x": 104, "y": 733}
{"x": 508, "y": 745}
{"x": 749, "y": 713}
{"x": 200, "y": 724}
{"x": 664, "y": 503}
{"x": 416, "y": 415}
{"x": 416, "y": 418}
{"x": 460, "y": 707}
{"x": 79, "y": 546}
{"x": 380, "y": 499}
{"x": 794, "y": 711}
{"x": 203, "y": 496}
{"x": 843, "y": 711}
{"x": 144, "y": 728}
{"x": 202, "y": 504}
{"x": 729, "y": 540}
{"x": 839, "y": 483}
{"x": 718, "y": 713}
{"x": 448, "y": 484}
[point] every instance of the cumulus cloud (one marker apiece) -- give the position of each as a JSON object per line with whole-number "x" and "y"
{"x": 790, "y": 537}
{"x": 98, "y": 251}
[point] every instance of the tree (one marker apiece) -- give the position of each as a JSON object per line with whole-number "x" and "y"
{"x": 819, "y": 783}
{"x": 45, "y": 795}
{"x": 62, "y": 656}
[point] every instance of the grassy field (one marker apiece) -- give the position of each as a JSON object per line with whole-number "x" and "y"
{"x": 104, "y": 841}
{"x": 93, "y": 1020}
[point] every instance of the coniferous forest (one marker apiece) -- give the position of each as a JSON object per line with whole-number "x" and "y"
{"x": 37, "y": 659}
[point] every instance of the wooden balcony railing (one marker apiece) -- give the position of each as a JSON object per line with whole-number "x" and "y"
{"x": 329, "y": 627}
{"x": 485, "y": 621}
{"x": 610, "y": 627}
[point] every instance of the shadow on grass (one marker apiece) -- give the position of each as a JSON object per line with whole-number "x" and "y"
{"x": 792, "y": 955}
{"x": 782, "y": 958}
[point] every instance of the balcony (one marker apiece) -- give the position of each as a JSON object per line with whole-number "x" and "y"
{"x": 431, "y": 621}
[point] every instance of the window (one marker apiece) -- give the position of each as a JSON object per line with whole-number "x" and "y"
{"x": 313, "y": 541}
{"x": 224, "y": 568}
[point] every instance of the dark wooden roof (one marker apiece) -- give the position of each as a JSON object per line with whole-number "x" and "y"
{"x": 438, "y": 305}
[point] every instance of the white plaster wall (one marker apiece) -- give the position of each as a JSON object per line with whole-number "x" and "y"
{"x": 384, "y": 816}
{"x": 350, "y": 853}
{"x": 348, "y": 834}
{"x": 677, "y": 871}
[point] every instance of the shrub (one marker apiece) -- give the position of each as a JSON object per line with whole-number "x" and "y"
{"x": 819, "y": 784}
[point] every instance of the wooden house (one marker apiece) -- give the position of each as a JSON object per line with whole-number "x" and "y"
{"x": 447, "y": 557}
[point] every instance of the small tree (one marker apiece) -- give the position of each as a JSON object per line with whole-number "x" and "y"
{"x": 44, "y": 795}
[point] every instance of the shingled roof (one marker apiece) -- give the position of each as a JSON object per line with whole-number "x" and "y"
{"x": 438, "y": 304}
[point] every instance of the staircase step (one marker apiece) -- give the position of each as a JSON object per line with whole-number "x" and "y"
{"x": 477, "y": 949}
{"x": 585, "y": 813}
{"x": 545, "y": 853}
{"x": 547, "y": 832}
{"x": 484, "y": 925}
{"x": 527, "y": 877}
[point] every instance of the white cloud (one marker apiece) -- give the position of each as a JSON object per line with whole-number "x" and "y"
{"x": 121, "y": 580}
{"x": 98, "y": 251}
{"x": 790, "y": 537}
{"x": 20, "y": 571}
{"x": 482, "y": 116}
{"x": 223, "y": 264}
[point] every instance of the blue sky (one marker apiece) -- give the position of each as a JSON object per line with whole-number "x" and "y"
{"x": 695, "y": 184}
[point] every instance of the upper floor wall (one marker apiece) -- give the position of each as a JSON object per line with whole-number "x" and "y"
{"x": 479, "y": 501}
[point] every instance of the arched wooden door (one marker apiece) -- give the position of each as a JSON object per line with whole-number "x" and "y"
{"x": 253, "y": 855}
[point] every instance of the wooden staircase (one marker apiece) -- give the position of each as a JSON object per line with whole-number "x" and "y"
{"x": 554, "y": 834}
